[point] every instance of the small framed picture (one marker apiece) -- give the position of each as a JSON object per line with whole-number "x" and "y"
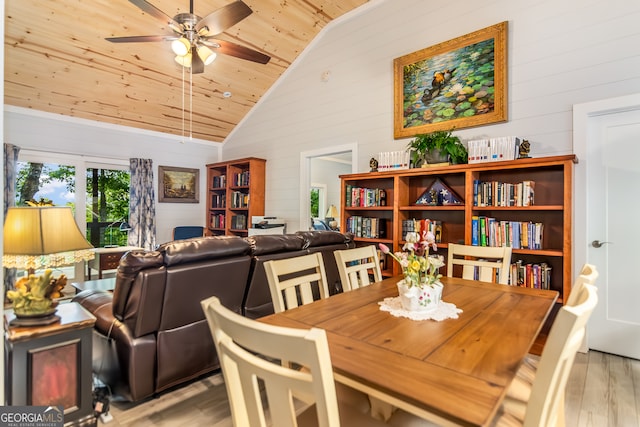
{"x": 178, "y": 185}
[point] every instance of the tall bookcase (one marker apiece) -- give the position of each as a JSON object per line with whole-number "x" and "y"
{"x": 552, "y": 205}
{"x": 235, "y": 193}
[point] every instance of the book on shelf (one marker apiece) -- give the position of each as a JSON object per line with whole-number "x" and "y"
{"x": 217, "y": 221}
{"x": 218, "y": 201}
{"x": 487, "y": 231}
{"x": 530, "y": 275}
{"x": 495, "y": 193}
{"x": 219, "y": 181}
{"x": 475, "y": 230}
{"x": 241, "y": 179}
{"x": 239, "y": 222}
{"x": 493, "y": 149}
{"x": 239, "y": 200}
{"x": 367, "y": 227}
{"x": 364, "y": 197}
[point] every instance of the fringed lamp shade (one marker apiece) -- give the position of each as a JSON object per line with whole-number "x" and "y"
{"x": 38, "y": 237}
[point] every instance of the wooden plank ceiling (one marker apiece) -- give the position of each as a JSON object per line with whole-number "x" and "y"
{"x": 57, "y": 60}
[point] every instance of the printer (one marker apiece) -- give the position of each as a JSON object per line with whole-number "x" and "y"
{"x": 266, "y": 225}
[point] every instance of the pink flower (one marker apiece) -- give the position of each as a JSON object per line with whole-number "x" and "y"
{"x": 384, "y": 248}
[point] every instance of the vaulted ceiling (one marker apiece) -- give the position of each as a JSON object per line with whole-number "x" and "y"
{"x": 57, "y": 60}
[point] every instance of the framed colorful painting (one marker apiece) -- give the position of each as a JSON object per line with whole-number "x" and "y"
{"x": 178, "y": 185}
{"x": 456, "y": 84}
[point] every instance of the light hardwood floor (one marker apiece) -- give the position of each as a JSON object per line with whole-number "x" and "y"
{"x": 603, "y": 391}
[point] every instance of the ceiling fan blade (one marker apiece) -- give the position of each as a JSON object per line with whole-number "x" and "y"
{"x": 223, "y": 18}
{"x": 232, "y": 49}
{"x": 197, "y": 66}
{"x": 150, "y": 9}
{"x": 137, "y": 39}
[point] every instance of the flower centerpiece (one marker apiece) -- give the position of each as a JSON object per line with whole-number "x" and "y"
{"x": 421, "y": 288}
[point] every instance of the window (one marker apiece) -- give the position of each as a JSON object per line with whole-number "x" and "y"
{"x": 107, "y": 207}
{"x": 97, "y": 191}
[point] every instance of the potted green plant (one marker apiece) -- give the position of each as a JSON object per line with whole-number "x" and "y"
{"x": 437, "y": 147}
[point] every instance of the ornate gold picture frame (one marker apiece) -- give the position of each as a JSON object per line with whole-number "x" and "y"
{"x": 457, "y": 84}
{"x": 178, "y": 185}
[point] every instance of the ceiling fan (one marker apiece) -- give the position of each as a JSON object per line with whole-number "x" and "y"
{"x": 193, "y": 38}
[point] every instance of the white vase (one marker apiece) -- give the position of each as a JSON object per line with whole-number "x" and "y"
{"x": 420, "y": 298}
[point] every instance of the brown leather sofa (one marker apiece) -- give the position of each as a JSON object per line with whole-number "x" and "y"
{"x": 151, "y": 334}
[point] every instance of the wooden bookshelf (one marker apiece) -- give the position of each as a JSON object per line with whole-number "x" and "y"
{"x": 235, "y": 193}
{"x": 552, "y": 207}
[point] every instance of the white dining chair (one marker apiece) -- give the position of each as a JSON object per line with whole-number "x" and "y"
{"x": 483, "y": 263}
{"x": 355, "y": 265}
{"x": 261, "y": 390}
{"x": 539, "y": 402}
{"x": 290, "y": 280}
{"x": 291, "y": 285}
{"x": 588, "y": 274}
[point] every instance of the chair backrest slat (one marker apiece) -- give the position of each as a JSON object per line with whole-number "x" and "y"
{"x": 293, "y": 277}
{"x": 355, "y": 265}
{"x": 490, "y": 262}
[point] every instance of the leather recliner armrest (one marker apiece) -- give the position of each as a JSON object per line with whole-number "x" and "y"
{"x": 128, "y": 366}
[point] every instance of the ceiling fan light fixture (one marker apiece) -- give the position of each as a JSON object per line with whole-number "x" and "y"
{"x": 181, "y": 46}
{"x": 184, "y": 60}
{"x": 206, "y": 54}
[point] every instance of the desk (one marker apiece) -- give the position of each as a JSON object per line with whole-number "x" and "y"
{"x": 51, "y": 364}
{"x": 107, "y": 259}
{"x": 454, "y": 372}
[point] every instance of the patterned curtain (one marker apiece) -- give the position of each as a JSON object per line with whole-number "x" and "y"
{"x": 142, "y": 205}
{"x": 10, "y": 159}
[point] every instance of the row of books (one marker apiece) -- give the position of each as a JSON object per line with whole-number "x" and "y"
{"x": 419, "y": 225}
{"x": 393, "y": 160}
{"x": 493, "y": 149}
{"x": 241, "y": 179}
{"x": 239, "y": 222}
{"x": 218, "y": 221}
{"x": 220, "y": 181}
{"x": 365, "y": 197}
{"x": 218, "y": 201}
{"x": 525, "y": 275}
{"x": 239, "y": 200}
{"x": 487, "y": 231}
{"x": 372, "y": 228}
{"x": 495, "y": 193}
{"x": 536, "y": 276}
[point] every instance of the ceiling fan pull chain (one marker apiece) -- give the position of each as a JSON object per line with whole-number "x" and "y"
{"x": 190, "y": 103}
{"x": 182, "y": 105}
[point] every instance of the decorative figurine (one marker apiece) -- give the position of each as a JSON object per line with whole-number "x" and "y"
{"x": 373, "y": 164}
{"x": 523, "y": 152}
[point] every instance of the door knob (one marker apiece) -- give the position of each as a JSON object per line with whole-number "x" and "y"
{"x": 598, "y": 243}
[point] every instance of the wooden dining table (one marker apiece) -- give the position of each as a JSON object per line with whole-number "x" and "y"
{"x": 453, "y": 372}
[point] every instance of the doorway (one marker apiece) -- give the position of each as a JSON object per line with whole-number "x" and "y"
{"x": 323, "y": 166}
{"x": 607, "y": 135}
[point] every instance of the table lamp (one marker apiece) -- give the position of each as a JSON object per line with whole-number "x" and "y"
{"x": 332, "y": 214}
{"x": 40, "y": 237}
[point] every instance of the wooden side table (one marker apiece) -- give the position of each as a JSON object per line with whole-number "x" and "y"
{"x": 50, "y": 365}
{"x": 107, "y": 259}
{"x": 107, "y": 284}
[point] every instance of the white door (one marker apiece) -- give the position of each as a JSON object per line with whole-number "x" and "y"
{"x": 613, "y": 231}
